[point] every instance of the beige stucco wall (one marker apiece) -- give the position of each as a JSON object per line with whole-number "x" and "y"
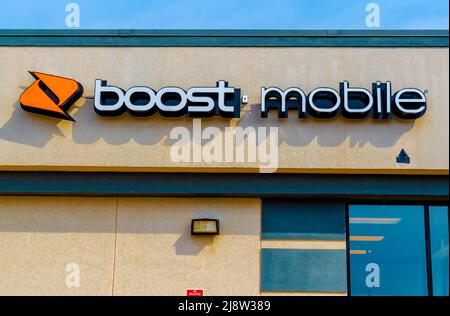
{"x": 156, "y": 255}
{"x": 128, "y": 246}
{"x": 28, "y": 141}
{"x": 40, "y": 236}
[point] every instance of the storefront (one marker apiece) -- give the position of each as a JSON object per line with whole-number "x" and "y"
{"x": 322, "y": 157}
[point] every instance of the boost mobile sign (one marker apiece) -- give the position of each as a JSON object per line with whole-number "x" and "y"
{"x": 169, "y": 101}
{"x": 53, "y": 96}
{"x": 352, "y": 103}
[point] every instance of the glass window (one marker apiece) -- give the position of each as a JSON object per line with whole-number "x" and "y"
{"x": 387, "y": 250}
{"x": 439, "y": 249}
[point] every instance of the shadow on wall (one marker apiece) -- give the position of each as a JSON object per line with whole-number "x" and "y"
{"x": 90, "y": 127}
{"x": 188, "y": 245}
{"x": 36, "y": 130}
{"x": 27, "y": 129}
{"x": 329, "y": 132}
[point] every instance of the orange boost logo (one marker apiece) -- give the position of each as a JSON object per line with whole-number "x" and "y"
{"x": 51, "y": 95}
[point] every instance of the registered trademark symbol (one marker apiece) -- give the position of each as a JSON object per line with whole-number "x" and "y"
{"x": 425, "y": 91}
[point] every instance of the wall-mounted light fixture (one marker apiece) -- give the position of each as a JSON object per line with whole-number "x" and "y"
{"x": 205, "y": 226}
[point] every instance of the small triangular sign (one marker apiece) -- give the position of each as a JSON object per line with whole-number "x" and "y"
{"x": 403, "y": 157}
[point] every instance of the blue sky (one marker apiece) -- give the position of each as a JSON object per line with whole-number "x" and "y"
{"x": 229, "y": 14}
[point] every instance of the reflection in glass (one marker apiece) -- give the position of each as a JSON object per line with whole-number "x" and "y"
{"x": 439, "y": 249}
{"x": 387, "y": 250}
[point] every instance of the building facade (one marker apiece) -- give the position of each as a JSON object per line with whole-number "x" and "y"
{"x": 324, "y": 156}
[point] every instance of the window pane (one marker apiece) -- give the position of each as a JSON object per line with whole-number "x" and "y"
{"x": 439, "y": 249}
{"x": 387, "y": 250}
